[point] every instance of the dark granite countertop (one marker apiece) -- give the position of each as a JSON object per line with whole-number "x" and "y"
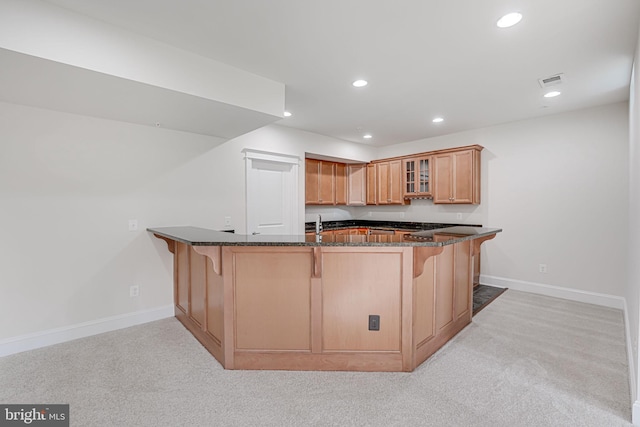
{"x": 377, "y": 224}
{"x": 437, "y": 237}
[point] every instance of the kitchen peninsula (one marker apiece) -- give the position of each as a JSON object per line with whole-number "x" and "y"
{"x": 334, "y": 302}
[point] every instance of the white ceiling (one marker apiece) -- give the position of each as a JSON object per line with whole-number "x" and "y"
{"x": 422, "y": 58}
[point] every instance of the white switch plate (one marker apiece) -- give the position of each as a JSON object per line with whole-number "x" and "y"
{"x": 134, "y": 291}
{"x": 542, "y": 268}
{"x": 459, "y": 215}
{"x": 133, "y": 225}
{"x": 227, "y": 221}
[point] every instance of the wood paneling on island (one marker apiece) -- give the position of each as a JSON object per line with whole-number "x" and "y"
{"x": 308, "y": 308}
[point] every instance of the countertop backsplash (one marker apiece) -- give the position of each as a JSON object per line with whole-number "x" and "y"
{"x": 417, "y": 211}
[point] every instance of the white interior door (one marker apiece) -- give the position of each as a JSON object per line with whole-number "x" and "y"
{"x": 272, "y": 193}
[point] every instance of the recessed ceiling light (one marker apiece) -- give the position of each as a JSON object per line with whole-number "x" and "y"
{"x": 438, "y": 120}
{"x": 509, "y": 20}
{"x": 367, "y": 136}
{"x": 287, "y": 114}
{"x": 360, "y": 83}
{"x": 552, "y": 94}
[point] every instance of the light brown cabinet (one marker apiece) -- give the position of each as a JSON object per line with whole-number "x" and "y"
{"x": 453, "y": 273}
{"x": 309, "y": 308}
{"x": 457, "y": 177}
{"x": 449, "y": 176}
{"x": 332, "y": 183}
{"x": 416, "y": 177}
{"x": 320, "y": 182}
{"x": 371, "y": 184}
{"x": 384, "y": 183}
{"x": 357, "y": 185}
{"x": 340, "y": 184}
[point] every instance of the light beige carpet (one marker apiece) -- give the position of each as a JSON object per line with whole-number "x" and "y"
{"x": 527, "y": 360}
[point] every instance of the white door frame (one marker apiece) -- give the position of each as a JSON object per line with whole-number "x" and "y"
{"x": 291, "y": 191}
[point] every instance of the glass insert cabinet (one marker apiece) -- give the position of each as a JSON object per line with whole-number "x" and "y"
{"x": 417, "y": 177}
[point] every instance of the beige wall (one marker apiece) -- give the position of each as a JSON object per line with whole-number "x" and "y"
{"x": 68, "y": 186}
{"x": 557, "y": 185}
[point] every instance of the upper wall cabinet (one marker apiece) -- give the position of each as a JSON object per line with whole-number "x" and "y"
{"x": 384, "y": 183}
{"x": 371, "y": 184}
{"x": 456, "y": 176}
{"x": 449, "y": 176}
{"x": 331, "y": 183}
{"x": 416, "y": 177}
{"x": 341, "y": 184}
{"x": 319, "y": 182}
{"x": 357, "y": 185}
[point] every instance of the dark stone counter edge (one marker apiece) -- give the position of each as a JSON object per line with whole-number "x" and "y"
{"x": 195, "y": 236}
{"x": 378, "y": 224}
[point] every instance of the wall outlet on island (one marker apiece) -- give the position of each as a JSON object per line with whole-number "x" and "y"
{"x": 542, "y": 268}
{"x": 227, "y": 221}
{"x": 134, "y": 291}
{"x": 458, "y": 215}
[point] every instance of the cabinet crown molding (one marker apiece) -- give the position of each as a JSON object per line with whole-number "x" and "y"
{"x": 431, "y": 153}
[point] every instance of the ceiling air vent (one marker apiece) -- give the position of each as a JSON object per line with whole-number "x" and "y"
{"x": 551, "y": 80}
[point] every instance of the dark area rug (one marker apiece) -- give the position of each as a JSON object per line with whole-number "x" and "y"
{"x": 483, "y": 295}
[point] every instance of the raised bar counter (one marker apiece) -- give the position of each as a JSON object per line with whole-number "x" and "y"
{"x": 336, "y": 302}
{"x": 195, "y": 236}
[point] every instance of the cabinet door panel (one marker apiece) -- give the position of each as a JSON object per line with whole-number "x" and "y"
{"x": 409, "y": 177}
{"x": 312, "y": 181}
{"x": 444, "y": 287}
{"x": 423, "y": 179}
{"x": 198, "y": 282}
{"x": 341, "y": 184}
{"x": 272, "y": 300}
{"x": 182, "y": 277}
{"x": 215, "y": 303}
{"x": 375, "y": 283}
{"x": 372, "y": 184}
{"x": 383, "y": 192}
{"x": 443, "y": 170}
{"x": 327, "y": 181}
{"x": 463, "y": 177}
{"x": 356, "y": 185}
{"x": 463, "y": 280}
{"x": 395, "y": 182}
{"x": 424, "y": 327}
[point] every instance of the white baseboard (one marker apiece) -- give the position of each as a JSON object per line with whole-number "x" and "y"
{"x": 635, "y": 413}
{"x": 605, "y": 300}
{"x": 68, "y": 333}
{"x": 630, "y": 359}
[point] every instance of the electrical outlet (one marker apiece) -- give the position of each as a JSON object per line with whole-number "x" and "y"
{"x": 458, "y": 215}
{"x": 227, "y": 221}
{"x": 134, "y": 291}
{"x": 542, "y": 268}
{"x": 374, "y": 322}
{"x": 133, "y": 225}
